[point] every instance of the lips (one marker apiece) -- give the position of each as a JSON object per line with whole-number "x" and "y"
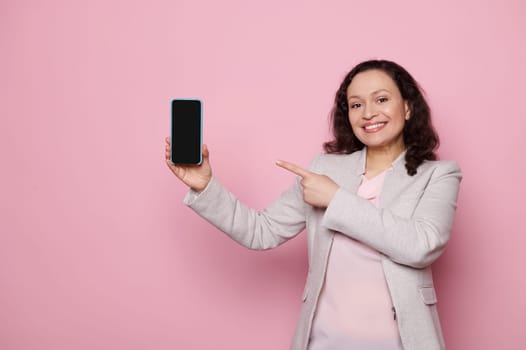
{"x": 374, "y": 127}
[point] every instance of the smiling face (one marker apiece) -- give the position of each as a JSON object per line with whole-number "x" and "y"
{"x": 377, "y": 111}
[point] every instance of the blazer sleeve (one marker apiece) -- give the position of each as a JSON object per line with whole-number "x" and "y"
{"x": 258, "y": 230}
{"x": 416, "y": 241}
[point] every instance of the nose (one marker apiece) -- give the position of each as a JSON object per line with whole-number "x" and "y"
{"x": 369, "y": 111}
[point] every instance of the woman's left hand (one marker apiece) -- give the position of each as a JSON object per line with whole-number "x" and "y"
{"x": 318, "y": 190}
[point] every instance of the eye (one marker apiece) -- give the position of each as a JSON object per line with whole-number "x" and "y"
{"x": 355, "y": 105}
{"x": 382, "y": 99}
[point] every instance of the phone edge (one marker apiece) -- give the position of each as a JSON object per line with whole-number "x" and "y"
{"x": 200, "y": 128}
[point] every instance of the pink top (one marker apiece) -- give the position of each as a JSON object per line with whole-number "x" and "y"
{"x": 355, "y": 310}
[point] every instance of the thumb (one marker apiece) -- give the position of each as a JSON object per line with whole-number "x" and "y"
{"x": 206, "y": 152}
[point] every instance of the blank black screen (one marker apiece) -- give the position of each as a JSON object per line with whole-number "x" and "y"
{"x": 186, "y": 131}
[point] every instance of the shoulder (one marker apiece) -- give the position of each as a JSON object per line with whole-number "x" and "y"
{"x": 440, "y": 168}
{"x": 439, "y": 176}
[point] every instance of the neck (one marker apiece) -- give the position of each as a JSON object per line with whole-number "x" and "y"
{"x": 380, "y": 159}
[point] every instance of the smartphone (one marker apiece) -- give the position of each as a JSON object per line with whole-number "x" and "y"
{"x": 187, "y": 131}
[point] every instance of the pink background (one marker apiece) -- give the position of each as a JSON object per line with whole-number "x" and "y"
{"x": 97, "y": 250}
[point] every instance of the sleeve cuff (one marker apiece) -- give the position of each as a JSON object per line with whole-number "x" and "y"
{"x": 192, "y": 195}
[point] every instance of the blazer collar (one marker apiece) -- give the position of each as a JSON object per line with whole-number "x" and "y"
{"x": 398, "y": 164}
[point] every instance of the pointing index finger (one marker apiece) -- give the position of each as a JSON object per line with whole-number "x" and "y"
{"x": 293, "y": 168}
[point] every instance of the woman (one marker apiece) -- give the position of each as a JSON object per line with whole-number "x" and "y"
{"x": 378, "y": 209}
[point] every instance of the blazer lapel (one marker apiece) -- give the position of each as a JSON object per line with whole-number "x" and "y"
{"x": 354, "y": 166}
{"x": 395, "y": 180}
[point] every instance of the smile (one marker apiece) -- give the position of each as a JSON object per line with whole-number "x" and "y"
{"x": 374, "y": 127}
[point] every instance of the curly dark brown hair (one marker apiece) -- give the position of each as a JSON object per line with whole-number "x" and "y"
{"x": 420, "y": 137}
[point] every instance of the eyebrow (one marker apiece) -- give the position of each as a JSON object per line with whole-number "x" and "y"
{"x": 372, "y": 93}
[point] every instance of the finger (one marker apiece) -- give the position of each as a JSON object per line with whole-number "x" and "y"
{"x": 176, "y": 169}
{"x": 206, "y": 152}
{"x": 170, "y": 164}
{"x": 293, "y": 168}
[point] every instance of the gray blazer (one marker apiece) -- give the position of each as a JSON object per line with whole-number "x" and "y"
{"x": 410, "y": 228}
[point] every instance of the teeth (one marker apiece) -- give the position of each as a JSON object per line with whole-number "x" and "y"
{"x": 374, "y": 126}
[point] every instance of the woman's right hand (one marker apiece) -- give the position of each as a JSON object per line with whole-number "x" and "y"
{"x": 196, "y": 177}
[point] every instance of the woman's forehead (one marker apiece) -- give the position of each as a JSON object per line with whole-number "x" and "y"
{"x": 370, "y": 82}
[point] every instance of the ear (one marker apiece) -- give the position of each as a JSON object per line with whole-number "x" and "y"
{"x": 407, "y": 110}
